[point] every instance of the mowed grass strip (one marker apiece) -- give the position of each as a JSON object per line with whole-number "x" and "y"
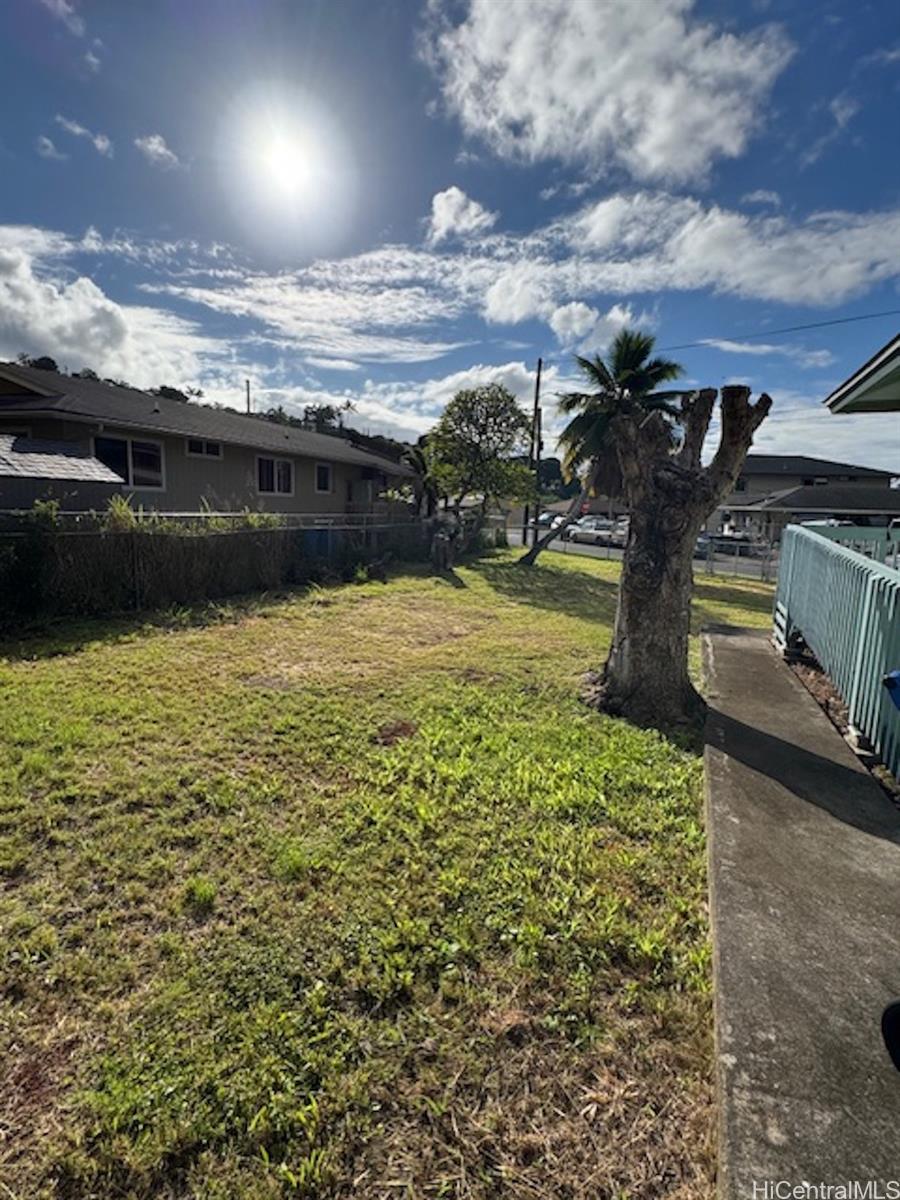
{"x": 345, "y": 894}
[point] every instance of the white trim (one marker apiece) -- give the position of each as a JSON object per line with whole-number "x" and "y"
{"x": 866, "y": 378}
{"x": 275, "y": 459}
{"x": 206, "y": 442}
{"x": 329, "y": 491}
{"x": 129, "y": 483}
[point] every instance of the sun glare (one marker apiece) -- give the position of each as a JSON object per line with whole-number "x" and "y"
{"x": 297, "y": 180}
{"x": 289, "y": 164}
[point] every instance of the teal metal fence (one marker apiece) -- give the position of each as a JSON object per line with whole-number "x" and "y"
{"x": 879, "y": 543}
{"x": 846, "y": 606}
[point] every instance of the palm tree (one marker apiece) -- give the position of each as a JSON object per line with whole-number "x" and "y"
{"x": 625, "y": 381}
{"x": 425, "y": 488}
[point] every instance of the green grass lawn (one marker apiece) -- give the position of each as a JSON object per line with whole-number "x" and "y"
{"x": 346, "y": 894}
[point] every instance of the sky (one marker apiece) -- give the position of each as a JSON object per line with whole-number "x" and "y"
{"x": 384, "y": 201}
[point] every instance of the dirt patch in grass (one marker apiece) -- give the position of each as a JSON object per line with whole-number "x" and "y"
{"x": 32, "y": 1086}
{"x": 393, "y": 732}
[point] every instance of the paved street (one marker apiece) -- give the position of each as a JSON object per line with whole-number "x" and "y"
{"x": 721, "y": 564}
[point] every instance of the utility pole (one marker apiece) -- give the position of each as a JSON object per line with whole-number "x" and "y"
{"x": 538, "y": 446}
{"x": 534, "y": 455}
{"x": 249, "y": 410}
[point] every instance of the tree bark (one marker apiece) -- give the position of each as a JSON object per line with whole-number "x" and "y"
{"x": 645, "y": 677}
{"x": 529, "y": 559}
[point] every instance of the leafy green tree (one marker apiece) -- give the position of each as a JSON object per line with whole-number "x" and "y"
{"x": 43, "y": 363}
{"x": 474, "y": 446}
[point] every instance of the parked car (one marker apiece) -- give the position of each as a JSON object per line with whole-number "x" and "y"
{"x": 618, "y": 535}
{"x": 703, "y": 547}
{"x": 733, "y": 543}
{"x": 550, "y": 520}
{"x": 594, "y": 531}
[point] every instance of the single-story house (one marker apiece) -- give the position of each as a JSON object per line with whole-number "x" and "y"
{"x": 175, "y": 456}
{"x": 874, "y": 387}
{"x": 767, "y": 516}
{"x": 36, "y": 469}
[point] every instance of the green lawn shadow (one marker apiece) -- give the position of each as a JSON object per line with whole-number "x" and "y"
{"x": 564, "y": 590}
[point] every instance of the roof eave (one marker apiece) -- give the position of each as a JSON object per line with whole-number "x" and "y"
{"x": 359, "y": 458}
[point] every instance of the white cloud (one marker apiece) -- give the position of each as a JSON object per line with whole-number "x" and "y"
{"x": 843, "y": 108}
{"x": 453, "y": 213}
{"x": 341, "y": 318}
{"x": 74, "y": 321}
{"x": 577, "y": 322}
{"x": 92, "y": 61}
{"x": 652, "y": 242}
{"x": 331, "y": 364}
{"x": 762, "y": 196}
{"x": 100, "y": 141}
{"x": 886, "y": 55}
{"x": 647, "y": 87}
{"x": 798, "y": 354}
{"x": 800, "y": 424}
{"x": 157, "y": 153}
{"x": 520, "y": 292}
{"x": 65, "y": 12}
{"x": 46, "y": 149}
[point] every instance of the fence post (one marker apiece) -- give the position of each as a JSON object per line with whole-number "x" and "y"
{"x": 135, "y": 571}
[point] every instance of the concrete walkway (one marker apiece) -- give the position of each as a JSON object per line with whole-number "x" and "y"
{"x": 805, "y": 895}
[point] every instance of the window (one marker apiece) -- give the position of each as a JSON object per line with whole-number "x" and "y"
{"x": 201, "y": 448}
{"x": 274, "y": 476}
{"x": 113, "y": 453}
{"x": 146, "y": 465}
{"x": 741, "y": 485}
{"x": 323, "y": 477}
{"x": 139, "y": 462}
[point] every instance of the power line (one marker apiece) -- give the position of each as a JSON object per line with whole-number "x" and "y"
{"x": 746, "y": 337}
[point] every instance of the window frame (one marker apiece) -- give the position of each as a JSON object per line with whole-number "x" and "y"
{"x": 204, "y": 454}
{"x": 129, "y": 441}
{"x": 329, "y": 467}
{"x": 275, "y": 459}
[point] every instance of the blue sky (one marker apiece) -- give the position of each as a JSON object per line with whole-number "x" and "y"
{"x": 384, "y": 201}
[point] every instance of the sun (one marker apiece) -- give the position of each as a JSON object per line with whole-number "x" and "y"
{"x": 285, "y": 166}
{"x": 288, "y": 162}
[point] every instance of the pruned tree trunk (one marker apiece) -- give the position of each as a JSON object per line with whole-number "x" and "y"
{"x": 574, "y": 509}
{"x": 670, "y": 497}
{"x": 646, "y": 674}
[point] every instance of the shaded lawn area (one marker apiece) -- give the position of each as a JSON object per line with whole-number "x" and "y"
{"x": 345, "y": 894}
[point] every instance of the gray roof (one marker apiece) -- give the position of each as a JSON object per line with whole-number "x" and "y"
{"x": 800, "y": 464}
{"x": 40, "y": 458}
{"x": 60, "y": 395}
{"x": 831, "y": 497}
